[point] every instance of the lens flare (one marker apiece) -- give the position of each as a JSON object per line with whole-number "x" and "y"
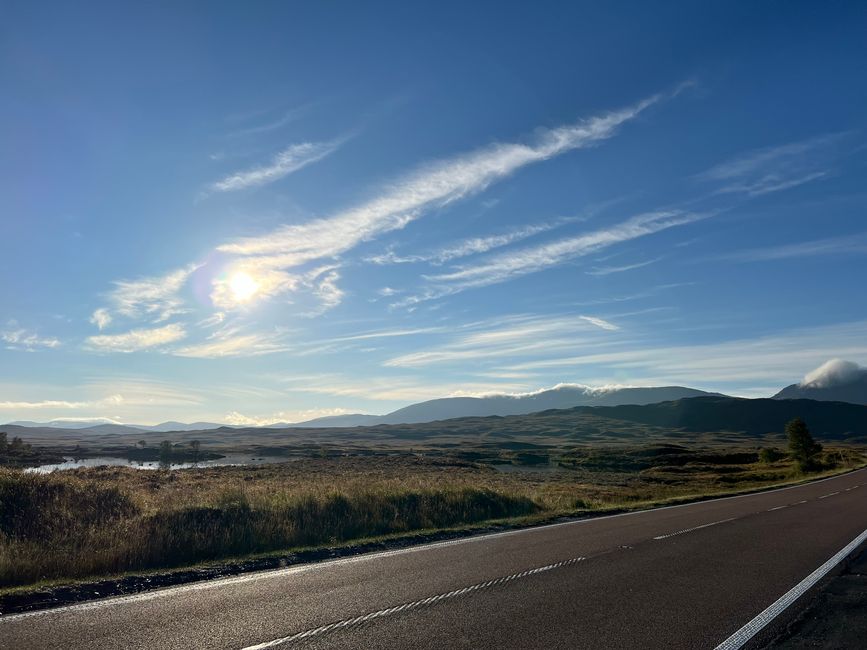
{"x": 243, "y": 286}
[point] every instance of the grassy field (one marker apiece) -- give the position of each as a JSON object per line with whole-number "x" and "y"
{"x": 96, "y": 522}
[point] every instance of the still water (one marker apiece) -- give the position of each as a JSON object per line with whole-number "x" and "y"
{"x": 230, "y": 459}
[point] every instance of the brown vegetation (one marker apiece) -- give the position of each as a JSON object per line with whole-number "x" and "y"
{"x": 101, "y": 521}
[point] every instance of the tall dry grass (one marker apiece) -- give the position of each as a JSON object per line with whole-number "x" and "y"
{"x": 101, "y": 521}
{"x": 60, "y": 526}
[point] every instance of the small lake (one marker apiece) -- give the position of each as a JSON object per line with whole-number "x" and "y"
{"x": 108, "y": 461}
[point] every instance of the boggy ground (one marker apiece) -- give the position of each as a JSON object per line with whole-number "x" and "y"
{"x": 91, "y": 523}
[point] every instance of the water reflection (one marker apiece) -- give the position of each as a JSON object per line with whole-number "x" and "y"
{"x": 231, "y": 459}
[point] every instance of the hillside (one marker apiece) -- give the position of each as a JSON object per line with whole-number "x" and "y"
{"x": 705, "y": 420}
{"x": 562, "y": 397}
{"x": 833, "y": 420}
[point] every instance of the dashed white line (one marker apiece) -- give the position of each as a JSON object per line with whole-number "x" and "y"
{"x": 854, "y": 487}
{"x": 432, "y": 600}
{"x": 689, "y": 530}
{"x": 825, "y": 496}
{"x": 748, "y": 631}
{"x": 777, "y": 508}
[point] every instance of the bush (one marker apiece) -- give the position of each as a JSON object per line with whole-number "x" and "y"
{"x": 768, "y": 455}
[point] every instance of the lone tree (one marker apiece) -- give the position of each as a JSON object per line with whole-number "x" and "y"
{"x": 166, "y": 453}
{"x": 802, "y": 447}
{"x": 195, "y": 445}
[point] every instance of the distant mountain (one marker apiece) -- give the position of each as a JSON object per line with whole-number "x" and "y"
{"x": 556, "y": 398}
{"x": 178, "y": 426}
{"x": 752, "y": 416}
{"x": 328, "y": 421}
{"x": 107, "y": 426}
{"x": 70, "y": 424}
{"x": 562, "y": 397}
{"x": 835, "y": 381}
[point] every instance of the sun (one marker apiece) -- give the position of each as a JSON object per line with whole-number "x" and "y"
{"x": 243, "y": 286}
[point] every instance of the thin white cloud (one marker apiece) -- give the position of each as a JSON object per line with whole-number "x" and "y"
{"x": 834, "y": 372}
{"x": 516, "y": 263}
{"x": 286, "y": 118}
{"x": 18, "y": 338}
{"x": 235, "y": 418}
{"x": 284, "y": 163}
{"x": 137, "y": 339}
{"x": 830, "y": 246}
{"x": 101, "y": 318}
{"x": 51, "y": 404}
{"x": 395, "y": 389}
{"x": 389, "y": 334}
{"x": 325, "y": 289}
{"x": 466, "y": 247}
{"x": 231, "y": 342}
{"x": 772, "y": 183}
{"x": 774, "y": 360}
{"x": 608, "y": 270}
{"x": 434, "y": 185}
{"x": 156, "y": 298}
{"x": 600, "y": 323}
{"x": 515, "y": 336}
{"x": 773, "y": 169}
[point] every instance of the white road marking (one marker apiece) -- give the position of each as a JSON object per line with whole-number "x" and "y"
{"x": 852, "y": 488}
{"x": 825, "y": 496}
{"x": 689, "y": 530}
{"x": 748, "y": 631}
{"x": 777, "y": 508}
{"x": 432, "y": 600}
{"x": 800, "y": 502}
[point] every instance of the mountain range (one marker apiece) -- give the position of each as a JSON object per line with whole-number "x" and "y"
{"x": 834, "y": 381}
{"x": 561, "y": 397}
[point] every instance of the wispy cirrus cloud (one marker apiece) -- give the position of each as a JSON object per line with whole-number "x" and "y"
{"x": 395, "y": 389}
{"x": 137, "y": 339}
{"x": 155, "y": 298}
{"x": 828, "y": 246}
{"x": 773, "y": 169}
{"x": 515, "y": 263}
{"x": 466, "y": 247}
{"x": 772, "y": 360}
{"x": 287, "y": 117}
{"x": 516, "y": 336}
{"x": 291, "y": 159}
{"x": 608, "y": 270}
{"x": 434, "y": 185}
{"x": 233, "y": 342}
{"x": 53, "y": 404}
{"x": 601, "y": 323}
{"x": 19, "y": 338}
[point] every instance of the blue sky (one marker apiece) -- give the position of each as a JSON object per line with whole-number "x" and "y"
{"x": 252, "y": 212}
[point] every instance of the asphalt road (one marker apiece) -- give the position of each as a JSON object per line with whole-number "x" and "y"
{"x": 681, "y": 577}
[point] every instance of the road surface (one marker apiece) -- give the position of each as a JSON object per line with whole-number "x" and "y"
{"x": 681, "y": 577}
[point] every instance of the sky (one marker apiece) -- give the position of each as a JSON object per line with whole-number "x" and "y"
{"x": 271, "y": 211}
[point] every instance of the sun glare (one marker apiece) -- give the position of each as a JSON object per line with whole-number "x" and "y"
{"x": 243, "y": 286}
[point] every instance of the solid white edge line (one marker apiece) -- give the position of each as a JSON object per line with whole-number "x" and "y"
{"x": 365, "y": 557}
{"x": 748, "y": 631}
